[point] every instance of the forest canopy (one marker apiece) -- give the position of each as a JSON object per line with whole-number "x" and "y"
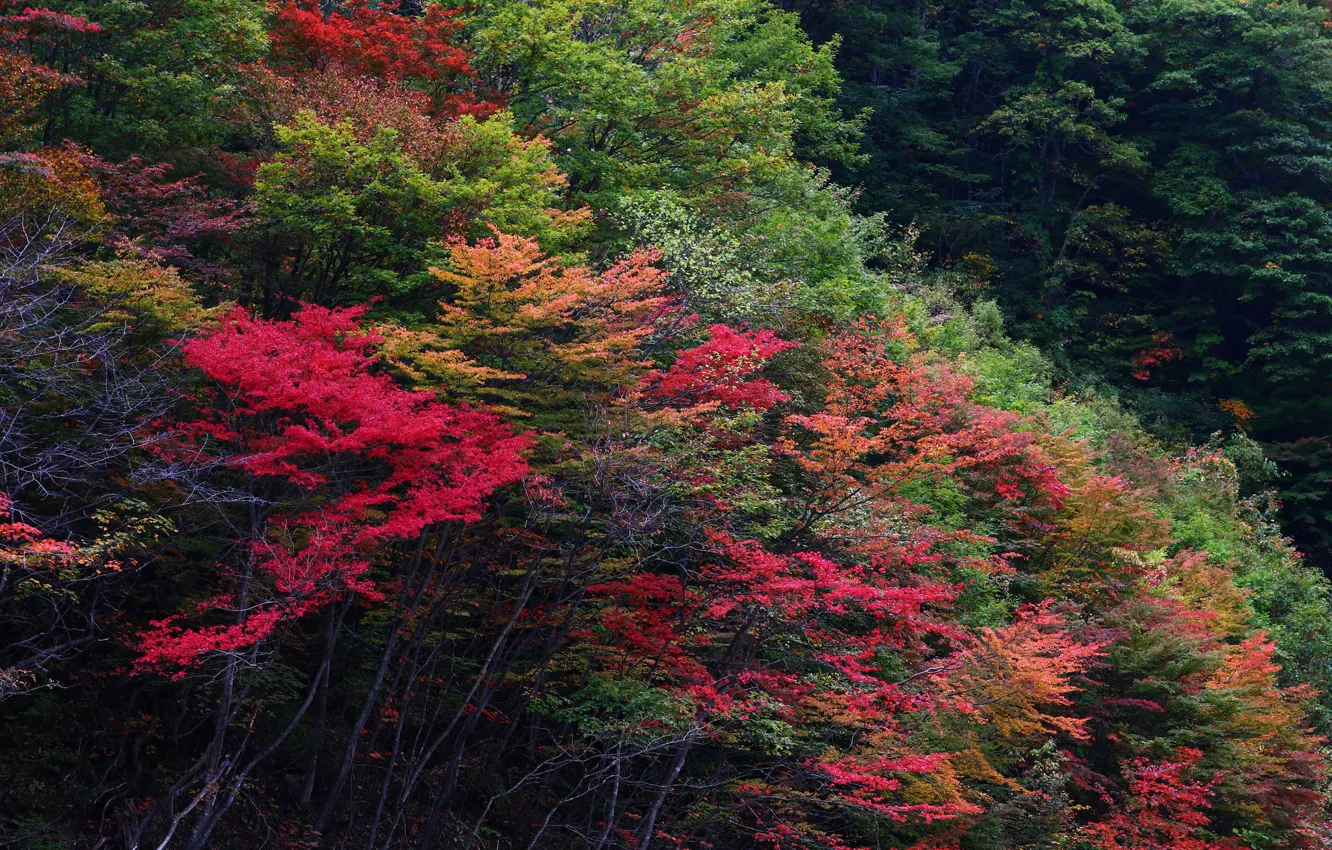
{"x": 634, "y": 424}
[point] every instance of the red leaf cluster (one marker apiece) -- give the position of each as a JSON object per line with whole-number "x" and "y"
{"x": 378, "y": 42}
{"x": 722, "y": 370}
{"x": 161, "y": 218}
{"x": 377, "y": 463}
{"x": 1164, "y": 808}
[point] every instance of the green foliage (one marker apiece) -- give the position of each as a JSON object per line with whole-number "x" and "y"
{"x": 157, "y": 75}
{"x": 706, "y": 97}
{"x": 341, "y": 215}
{"x": 702, "y": 113}
{"x": 768, "y": 263}
{"x": 708, "y": 266}
{"x": 496, "y": 179}
{"x": 342, "y": 220}
{"x": 1147, "y": 181}
{"x": 617, "y": 710}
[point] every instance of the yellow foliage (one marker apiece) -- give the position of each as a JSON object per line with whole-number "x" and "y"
{"x": 50, "y": 185}
{"x": 139, "y": 294}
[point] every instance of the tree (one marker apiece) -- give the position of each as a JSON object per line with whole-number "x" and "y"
{"x": 343, "y": 220}
{"x": 1141, "y": 186}
{"x": 696, "y": 97}
{"x": 360, "y": 40}
{"x": 718, "y": 512}
{"x": 149, "y": 73}
{"x": 814, "y": 668}
{"x": 714, "y": 108}
{"x": 303, "y": 404}
{"x": 161, "y": 219}
{"x": 1165, "y": 807}
{"x": 519, "y": 329}
{"x": 336, "y": 465}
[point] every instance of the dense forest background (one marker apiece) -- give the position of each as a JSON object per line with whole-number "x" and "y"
{"x": 1141, "y": 186}
{"x": 665, "y": 423}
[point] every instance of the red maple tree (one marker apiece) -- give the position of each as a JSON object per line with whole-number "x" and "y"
{"x": 378, "y": 42}
{"x": 301, "y": 413}
{"x": 1165, "y": 807}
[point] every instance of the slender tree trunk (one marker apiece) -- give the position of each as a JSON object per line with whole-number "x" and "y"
{"x": 371, "y": 696}
{"x": 611, "y": 814}
{"x": 650, "y": 823}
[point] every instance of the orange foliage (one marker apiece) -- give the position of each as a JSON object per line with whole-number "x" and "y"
{"x": 23, "y": 85}
{"x": 49, "y": 185}
{"x": 1094, "y": 548}
{"x": 1263, "y": 730}
{"x": 888, "y": 401}
{"x": 514, "y": 323}
{"x": 1016, "y": 675}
